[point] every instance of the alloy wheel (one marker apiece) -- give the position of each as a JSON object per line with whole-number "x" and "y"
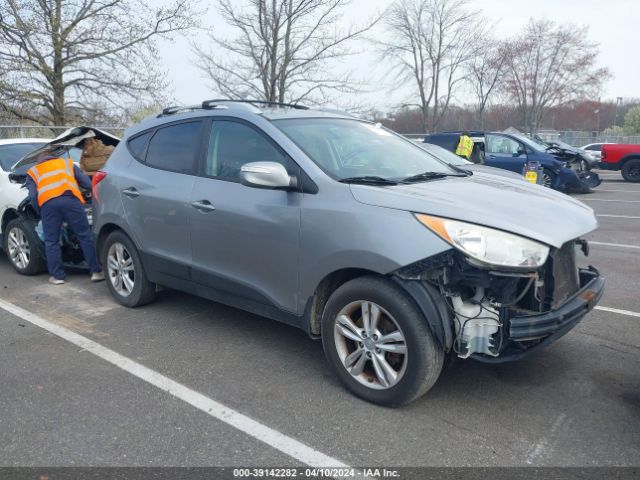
{"x": 19, "y": 249}
{"x": 370, "y": 344}
{"x": 546, "y": 180}
{"x": 120, "y": 269}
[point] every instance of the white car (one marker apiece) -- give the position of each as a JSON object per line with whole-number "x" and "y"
{"x": 11, "y": 194}
{"x": 595, "y": 150}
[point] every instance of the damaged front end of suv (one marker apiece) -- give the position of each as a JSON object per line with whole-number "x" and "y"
{"x": 500, "y": 296}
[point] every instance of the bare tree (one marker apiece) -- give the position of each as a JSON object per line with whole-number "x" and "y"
{"x": 485, "y": 75}
{"x": 282, "y": 51}
{"x": 431, "y": 41}
{"x": 549, "y": 65}
{"x": 60, "y": 58}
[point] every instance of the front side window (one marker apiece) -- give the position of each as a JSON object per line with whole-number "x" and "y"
{"x": 175, "y": 148}
{"x": 503, "y": 145}
{"x": 350, "y": 148}
{"x": 233, "y": 144}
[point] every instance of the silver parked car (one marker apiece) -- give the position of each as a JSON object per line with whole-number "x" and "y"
{"x": 342, "y": 228}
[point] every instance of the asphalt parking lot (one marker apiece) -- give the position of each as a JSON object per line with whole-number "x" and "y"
{"x": 253, "y": 392}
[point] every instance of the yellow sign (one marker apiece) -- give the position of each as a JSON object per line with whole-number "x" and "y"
{"x": 531, "y": 176}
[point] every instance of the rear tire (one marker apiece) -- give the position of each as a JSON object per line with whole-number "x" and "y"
{"x": 23, "y": 247}
{"x": 124, "y": 271}
{"x": 393, "y": 361}
{"x": 631, "y": 170}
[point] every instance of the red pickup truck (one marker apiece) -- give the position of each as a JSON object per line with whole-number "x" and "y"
{"x": 622, "y": 157}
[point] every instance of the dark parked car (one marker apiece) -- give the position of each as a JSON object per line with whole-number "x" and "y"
{"x": 511, "y": 151}
{"x": 347, "y": 230}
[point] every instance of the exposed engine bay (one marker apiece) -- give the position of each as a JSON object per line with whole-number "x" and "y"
{"x": 495, "y": 313}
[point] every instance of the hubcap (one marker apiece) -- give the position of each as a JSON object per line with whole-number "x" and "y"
{"x": 19, "y": 250}
{"x": 120, "y": 269}
{"x": 634, "y": 172}
{"x": 370, "y": 344}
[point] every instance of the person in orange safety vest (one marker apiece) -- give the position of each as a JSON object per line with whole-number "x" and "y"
{"x": 54, "y": 191}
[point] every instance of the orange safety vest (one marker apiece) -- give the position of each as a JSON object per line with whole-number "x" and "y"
{"x": 53, "y": 177}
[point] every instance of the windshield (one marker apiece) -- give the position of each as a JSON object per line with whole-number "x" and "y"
{"x": 346, "y": 148}
{"x": 445, "y": 155}
{"x": 10, "y": 154}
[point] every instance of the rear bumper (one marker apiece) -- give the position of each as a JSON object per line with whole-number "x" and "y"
{"x": 550, "y": 326}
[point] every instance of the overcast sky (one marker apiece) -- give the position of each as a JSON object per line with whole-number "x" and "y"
{"x": 613, "y": 24}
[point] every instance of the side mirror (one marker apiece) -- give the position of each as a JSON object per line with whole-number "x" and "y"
{"x": 271, "y": 175}
{"x": 521, "y": 151}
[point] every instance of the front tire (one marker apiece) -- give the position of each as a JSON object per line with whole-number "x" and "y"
{"x": 631, "y": 170}
{"x": 23, "y": 247}
{"x": 548, "y": 178}
{"x": 378, "y": 343}
{"x": 125, "y": 273}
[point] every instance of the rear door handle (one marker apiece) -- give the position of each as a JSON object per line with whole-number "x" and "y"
{"x": 492, "y": 156}
{"x": 131, "y": 192}
{"x": 203, "y": 206}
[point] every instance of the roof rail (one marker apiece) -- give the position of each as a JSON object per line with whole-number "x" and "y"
{"x": 207, "y": 104}
{"x": 188, "y": 108}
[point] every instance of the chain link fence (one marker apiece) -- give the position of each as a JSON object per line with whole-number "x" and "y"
{"x": 49, "y": 132}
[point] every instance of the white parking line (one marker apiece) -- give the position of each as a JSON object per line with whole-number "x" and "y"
{"x": 606, "y": 244}
{"x": 615, "y": 216}
{"x": 608, "y": 200}
{"x": 617, "y": 310}
{"x": 253, "y": 428}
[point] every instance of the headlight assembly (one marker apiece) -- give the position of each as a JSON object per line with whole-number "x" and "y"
{"x": 486, "y": 245}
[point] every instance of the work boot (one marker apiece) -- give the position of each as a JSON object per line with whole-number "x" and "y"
{"x": 56, "y": 281}
{"x": 97, "y": 276}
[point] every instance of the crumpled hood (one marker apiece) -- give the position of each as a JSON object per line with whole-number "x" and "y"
{"x": 514, "y": 206}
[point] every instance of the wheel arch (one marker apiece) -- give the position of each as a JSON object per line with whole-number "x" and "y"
{"x": 105, "y": 230}
{"x": 8, "y": 215}
{"x": 329, "y": 284}
{"x": 632, "y": 156}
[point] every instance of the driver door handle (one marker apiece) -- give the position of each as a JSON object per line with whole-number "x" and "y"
{"x": 203, "y": 206}
{"x": 492, "y": 156}
{"x": 131, "y": 192}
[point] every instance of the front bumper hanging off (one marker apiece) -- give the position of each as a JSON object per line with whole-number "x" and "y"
{"x": 552, "y": 325}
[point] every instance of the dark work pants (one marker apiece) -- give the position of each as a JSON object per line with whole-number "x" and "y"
{"x": 66, "y": 208}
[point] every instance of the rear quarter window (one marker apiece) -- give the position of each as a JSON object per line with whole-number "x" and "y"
{"x": 138, "y": 144}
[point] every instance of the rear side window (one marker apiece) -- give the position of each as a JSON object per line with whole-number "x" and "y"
{"x": 137, "y": 145}
{"x": 597, "y": 148}
{"x": 175, "y": 147}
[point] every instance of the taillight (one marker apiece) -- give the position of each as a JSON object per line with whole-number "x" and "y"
{"x": 97, "y": 178}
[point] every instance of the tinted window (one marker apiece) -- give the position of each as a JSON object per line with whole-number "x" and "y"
{"x": 175, "y": 147}
{"x": 138, "y": 144}
{"x": 10, "y": 154}
{"x": 233, "y": 144}
{"x": 597, "y": 147}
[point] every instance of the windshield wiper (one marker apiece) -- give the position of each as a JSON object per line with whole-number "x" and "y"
{"x": 432, "y": 176}
{"x": 369, "y": 180}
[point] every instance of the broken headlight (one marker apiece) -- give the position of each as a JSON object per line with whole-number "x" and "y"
{"x": 486, "y": 245}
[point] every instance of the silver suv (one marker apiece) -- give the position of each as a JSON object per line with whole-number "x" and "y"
{"x": 338, "y": 226}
